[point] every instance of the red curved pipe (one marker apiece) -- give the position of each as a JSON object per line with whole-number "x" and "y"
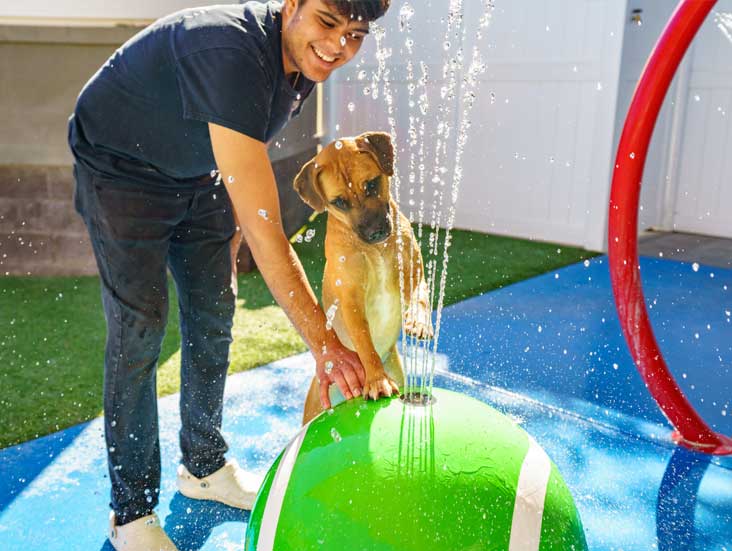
{"x": 691, "y": 430}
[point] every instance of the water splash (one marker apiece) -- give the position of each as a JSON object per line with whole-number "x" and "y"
{"x": 449, "y": 125}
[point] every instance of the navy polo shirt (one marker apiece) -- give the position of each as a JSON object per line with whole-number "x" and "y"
{"x": 144, "y": 115}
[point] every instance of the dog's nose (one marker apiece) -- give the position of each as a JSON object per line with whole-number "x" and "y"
{"x": 378, "y": 235}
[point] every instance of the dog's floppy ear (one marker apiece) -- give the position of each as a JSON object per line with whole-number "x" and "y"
{"x": 307, "y": 186}
{"x": 379, "y": 145}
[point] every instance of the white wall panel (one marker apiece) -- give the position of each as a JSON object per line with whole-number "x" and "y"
{"x": 537, "y": 162}
{"x": 704, "y": 188}
{"x": 638, "y": 43}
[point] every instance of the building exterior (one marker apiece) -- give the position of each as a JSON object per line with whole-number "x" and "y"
{"x": 548, "y": 111}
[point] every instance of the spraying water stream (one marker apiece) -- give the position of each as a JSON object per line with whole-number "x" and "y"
{"x": 452, "y": 114}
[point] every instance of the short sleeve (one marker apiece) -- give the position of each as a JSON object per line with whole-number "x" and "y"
{"x": 226, "y": 86}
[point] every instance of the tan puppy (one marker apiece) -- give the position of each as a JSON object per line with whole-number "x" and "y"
{"x": 350, "y": 178}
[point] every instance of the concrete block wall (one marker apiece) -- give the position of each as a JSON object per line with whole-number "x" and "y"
{"x": 39, "y": 230}
{"x": 42, "y": 69}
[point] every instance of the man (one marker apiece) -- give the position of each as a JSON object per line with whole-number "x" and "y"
{"x": 198, "y": 91}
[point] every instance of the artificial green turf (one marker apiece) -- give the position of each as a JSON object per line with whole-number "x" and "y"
{"x": 52, "y": 330}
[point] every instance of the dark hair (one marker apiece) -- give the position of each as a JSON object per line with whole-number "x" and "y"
{"x": 367, "y": 10}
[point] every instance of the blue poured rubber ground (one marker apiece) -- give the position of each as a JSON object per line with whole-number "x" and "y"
{"x": 548, "y": 352}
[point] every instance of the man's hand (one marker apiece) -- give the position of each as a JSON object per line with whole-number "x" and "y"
{"x": 340, "y": 366}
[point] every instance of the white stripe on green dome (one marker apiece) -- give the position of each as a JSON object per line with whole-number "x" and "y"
{"x": 273, "y": 506}
{"x": 530, "y": 494}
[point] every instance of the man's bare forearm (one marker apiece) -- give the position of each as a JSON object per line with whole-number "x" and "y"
{"x": 283, "y": 272}
{"x": 250, "y": 182}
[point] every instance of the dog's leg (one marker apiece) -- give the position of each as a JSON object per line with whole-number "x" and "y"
{"x": 393, "y": 366}
{"x": 418, "y": 318}
{"x": 352, "y": 310}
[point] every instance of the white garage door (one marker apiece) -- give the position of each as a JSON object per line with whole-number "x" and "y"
{"x": 703, "y": 201}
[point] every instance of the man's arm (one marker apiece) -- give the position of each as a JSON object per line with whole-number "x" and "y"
{"x": 247, "y": 174}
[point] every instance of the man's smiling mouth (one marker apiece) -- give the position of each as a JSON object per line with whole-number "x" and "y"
{"x": 323, "y": 56}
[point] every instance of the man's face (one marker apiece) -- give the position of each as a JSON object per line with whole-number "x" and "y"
{"x": 317, "y": 39}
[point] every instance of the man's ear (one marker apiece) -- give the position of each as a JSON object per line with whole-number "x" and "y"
{"x": 308, "y": 187}
{"x": 291, "y": 5}
{"x": 379, "y": 145}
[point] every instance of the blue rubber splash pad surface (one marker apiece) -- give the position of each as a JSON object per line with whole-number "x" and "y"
{"x": 547, "y": 352}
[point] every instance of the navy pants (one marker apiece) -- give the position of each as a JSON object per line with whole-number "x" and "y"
{"x": 137, "y": 233}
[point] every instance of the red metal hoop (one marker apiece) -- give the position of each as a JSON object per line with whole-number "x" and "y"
{"x": 691, "y": 430}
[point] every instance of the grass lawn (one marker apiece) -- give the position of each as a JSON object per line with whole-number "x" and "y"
{"x": 52, "y": 330}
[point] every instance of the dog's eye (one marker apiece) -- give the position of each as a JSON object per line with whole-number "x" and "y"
{"x": 372, "y": 187}
{"x": 340, "y": 203}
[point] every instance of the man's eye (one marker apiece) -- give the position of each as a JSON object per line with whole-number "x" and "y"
{"x": 326, "y": 24}
{"x": 340, "y": 203}
{"x": 372, "y": 187}
{"x": 356, "y": 37}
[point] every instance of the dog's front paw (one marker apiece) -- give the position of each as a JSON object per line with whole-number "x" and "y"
{"x": 419, "y": 325}
{"x": 379, "y": 384}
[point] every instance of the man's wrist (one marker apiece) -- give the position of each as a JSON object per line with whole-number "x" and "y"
{"x": 326, "y": 341}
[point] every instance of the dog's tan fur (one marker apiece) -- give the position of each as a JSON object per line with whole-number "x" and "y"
{"x": 362, "y": 268}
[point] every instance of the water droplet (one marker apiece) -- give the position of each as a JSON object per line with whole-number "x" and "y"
{"x": 328, "y": 366}
{"x": 335, "y": 435}
{"x": 342, "y": 259}
{"x": 263, "y": 213}
{"x": 231, "y": 179}
{"x": 339, "y": 145}
{"x": 695, "y": 266}
{"x": 338, "y": 282}
{"x": 405, "y": 14}
{"x": 351, "y": 106}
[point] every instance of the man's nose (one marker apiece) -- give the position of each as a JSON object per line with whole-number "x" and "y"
{"x": 337, "y": 42}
